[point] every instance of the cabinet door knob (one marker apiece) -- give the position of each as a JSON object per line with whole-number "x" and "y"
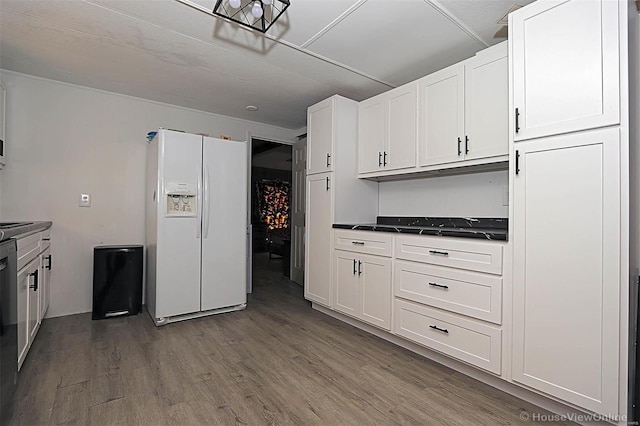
{"x": 354, "y": 266}
{"x": 466, "y": 144}
{"x": 517, "y": 120}
{"x": 328, "y": 159}
{"x": 384, "y": 161}
{"x": 379, "y": 159}
{"x": 459, "y": 149}
{"x": 327, "y": 183}
{"x": 517, "y": 161}
{"x": 359, "y": 267}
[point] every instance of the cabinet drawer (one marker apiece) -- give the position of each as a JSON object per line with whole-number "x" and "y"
{"x": 377, "y": 243}
{"x": 28, "y": 248}
{"x": 465, "y": 339}
{"x": 473, "y": 256}
{"x": 467, "y": 293}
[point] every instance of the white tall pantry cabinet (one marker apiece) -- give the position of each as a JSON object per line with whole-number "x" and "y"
{"x": 570, "y": 190}
{"x": 334, "y": 194}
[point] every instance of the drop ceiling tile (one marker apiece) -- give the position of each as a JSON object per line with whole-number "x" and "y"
{"x": 397, "y": 41}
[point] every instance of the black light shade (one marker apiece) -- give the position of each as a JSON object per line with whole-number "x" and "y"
{"x": 243, "y": 16}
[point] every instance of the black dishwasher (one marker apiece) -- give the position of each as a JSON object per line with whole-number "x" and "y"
{"x": 117, "y": 281}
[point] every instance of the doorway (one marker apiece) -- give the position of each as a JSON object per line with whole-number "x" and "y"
{"x": 271, "y": 206}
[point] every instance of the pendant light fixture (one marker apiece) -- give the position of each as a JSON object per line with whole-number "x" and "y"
{"x": 258, "y": 15}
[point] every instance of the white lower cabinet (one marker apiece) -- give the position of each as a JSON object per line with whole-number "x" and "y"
{"x": 362, "y": 285}
{"x": 44, "y": 289}
{"x": 468, "y": 293}
{"x": 566, "y": 289}
{"x": 346, "y": 283}
{"x": 25, "y": 278}
{"x": 376, "y": 290}
{"x": 33, "y": 288}
{"x": 470, "y": 341}
{"x": 34, "y": 299}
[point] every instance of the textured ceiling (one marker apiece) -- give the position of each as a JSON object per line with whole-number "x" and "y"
{"x": 166, "y": 51}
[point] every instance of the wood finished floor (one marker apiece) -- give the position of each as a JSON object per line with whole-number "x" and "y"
{"x": 277, "y": 362}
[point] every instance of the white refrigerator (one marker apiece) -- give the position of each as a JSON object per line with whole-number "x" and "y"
{"x": 196, "y": 226}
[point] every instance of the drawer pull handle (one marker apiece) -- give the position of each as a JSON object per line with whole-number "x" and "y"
{"x": 435, "y": 327}
{"x": 439, "y": 285}
{"x": 441, "y": 253}
{"x": 358, "y": 243}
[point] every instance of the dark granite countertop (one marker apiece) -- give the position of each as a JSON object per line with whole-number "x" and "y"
{"x": 480, "y": 228}
{"x": 22, "y": 229}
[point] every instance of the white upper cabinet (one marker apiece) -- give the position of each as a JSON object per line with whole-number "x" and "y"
{"x": 463, "y": 110}
{"x": 486, "y": 104}
{"x": 387, "y": 131}
{"x": 371, "y": 134}
{"x": 456, "y": 114}
{"x": 320, "y": 142}
{"x": 2, "y": 112}
{"x": 565, "y": 57}
{"x": 441, "y": 116}
{"x": 3, "y": 121}
{"x": 402, "y": 130}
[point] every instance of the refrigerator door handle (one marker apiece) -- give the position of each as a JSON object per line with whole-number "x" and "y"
{"x": 205, "y": 202}
{"x": 199, "y": 207}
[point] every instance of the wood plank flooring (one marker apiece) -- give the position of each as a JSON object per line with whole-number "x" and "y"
{"x": 277, "y": 362}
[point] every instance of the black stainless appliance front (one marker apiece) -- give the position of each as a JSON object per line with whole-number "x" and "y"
{"x": 8, "y": 328}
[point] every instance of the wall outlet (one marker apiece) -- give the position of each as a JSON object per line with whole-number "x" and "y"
{"x": 505, "y": 196}
{"x": 85, "y": 200}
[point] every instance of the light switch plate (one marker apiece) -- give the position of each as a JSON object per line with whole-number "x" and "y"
{"x": 85, "y": 200}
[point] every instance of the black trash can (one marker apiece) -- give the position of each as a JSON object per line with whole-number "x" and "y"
{"x": 117, "y": 281}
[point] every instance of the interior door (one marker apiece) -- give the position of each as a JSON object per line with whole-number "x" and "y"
{"x": 224, "y": 224}
{"x": 297, "y": 211}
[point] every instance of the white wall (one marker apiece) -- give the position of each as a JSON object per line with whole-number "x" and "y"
{"x": 63, "y": 140}
{"x": 470, "y": 195}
